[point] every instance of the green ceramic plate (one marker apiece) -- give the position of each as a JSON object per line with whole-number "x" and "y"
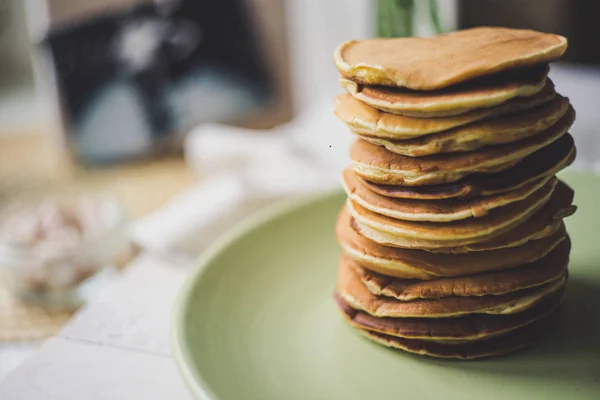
{"x": 256, "y": 320}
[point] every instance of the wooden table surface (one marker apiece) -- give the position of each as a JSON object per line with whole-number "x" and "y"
{"x": 36, "y": 160}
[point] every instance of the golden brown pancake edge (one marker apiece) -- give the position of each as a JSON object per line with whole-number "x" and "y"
{"x": 444, "y": 60}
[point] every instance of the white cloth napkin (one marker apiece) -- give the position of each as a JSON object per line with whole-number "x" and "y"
{"x": 242, "y": 171}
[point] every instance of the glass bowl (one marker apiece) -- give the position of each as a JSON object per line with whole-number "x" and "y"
{"x": 53, "y": 249}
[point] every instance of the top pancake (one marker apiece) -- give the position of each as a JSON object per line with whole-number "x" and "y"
{"x": 444, "y": 60}
{"x": 479, "y": 93}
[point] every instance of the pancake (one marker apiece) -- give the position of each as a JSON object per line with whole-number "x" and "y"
{"x": 456, "y": 232}
{"x": 380, "y": 165}
{"x": 431, "y": 211}
{"x": 444, "y": 60}
{"x": 516, "y": 230}
{"x": 351, "y": 289}
{"x": 424, "y": 265}
{"x": 540, "y": 272}
{"x": 499, "y": 130}
{"x": 459, "y": 99}
{"x": 468, "y": 328}
{"x": 496, "y": 346}
{"x": 538, "y": 167}
{"x": 366, "y": 120}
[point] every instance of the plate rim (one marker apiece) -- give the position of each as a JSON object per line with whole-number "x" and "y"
{"x": 196, "y": 384}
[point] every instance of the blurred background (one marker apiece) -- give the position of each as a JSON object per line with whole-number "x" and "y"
{"x": 155, "y": 125}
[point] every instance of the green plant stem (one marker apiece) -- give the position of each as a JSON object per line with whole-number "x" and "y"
{"x": 395, "y": 18}
{"x": 435, "y": 17}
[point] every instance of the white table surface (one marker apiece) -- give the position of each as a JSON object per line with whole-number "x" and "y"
{"x": 115, "y": 348}
{"x": 14, "y": 354}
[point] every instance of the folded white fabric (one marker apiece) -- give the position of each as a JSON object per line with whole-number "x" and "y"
{"x": 242, "y": 171}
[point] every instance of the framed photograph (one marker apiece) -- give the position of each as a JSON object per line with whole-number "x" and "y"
{"x": 133, "y": 76}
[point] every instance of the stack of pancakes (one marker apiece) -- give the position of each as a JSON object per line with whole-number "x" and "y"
{"x": 453, "y": 235}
